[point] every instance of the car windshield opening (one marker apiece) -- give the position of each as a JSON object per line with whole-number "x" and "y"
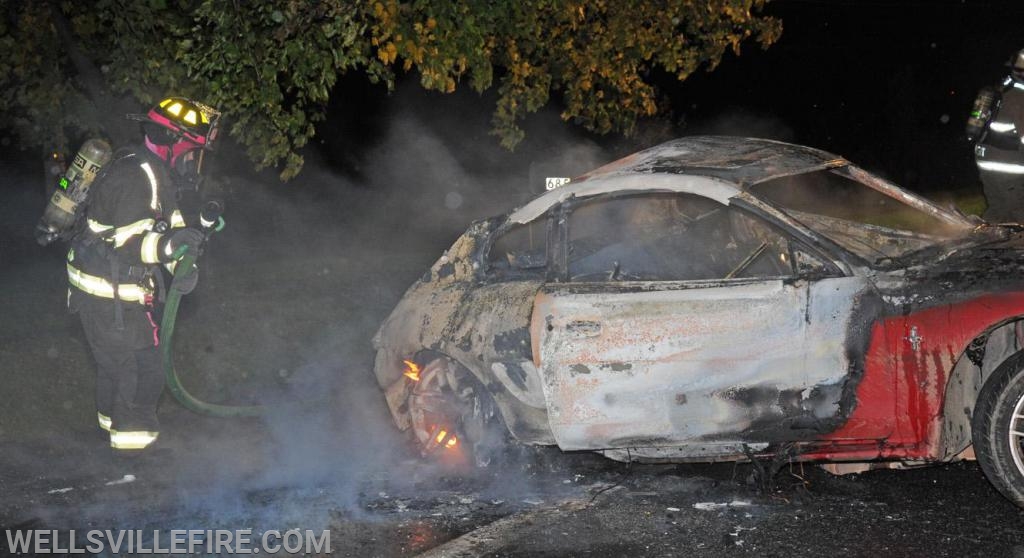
{"x": 520, "y": 249}
{"x": 868, "y": 222}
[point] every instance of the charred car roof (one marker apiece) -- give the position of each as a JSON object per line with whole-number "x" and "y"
{"x": 718, "y": 167}
{"x": 742, "y": 161}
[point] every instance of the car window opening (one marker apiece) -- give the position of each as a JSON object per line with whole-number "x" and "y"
{"x": 671, "y": 237}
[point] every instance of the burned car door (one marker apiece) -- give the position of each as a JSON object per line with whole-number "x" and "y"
{"x": 685, "y": 323}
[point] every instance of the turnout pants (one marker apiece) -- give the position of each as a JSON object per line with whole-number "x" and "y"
{"x": 1004, "y": 193}
{"x": 129, "y": 375}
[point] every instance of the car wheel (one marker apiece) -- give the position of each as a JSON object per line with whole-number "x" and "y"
{"x": 451, "y": 410}
{"x": 997, "y": 428}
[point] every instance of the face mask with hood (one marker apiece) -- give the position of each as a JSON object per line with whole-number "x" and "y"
{"x": 1017, "y": 67}
{"x": 179, "y": 131}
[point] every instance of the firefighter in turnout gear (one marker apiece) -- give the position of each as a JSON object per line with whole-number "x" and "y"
{"x": 999, "y": 152}
{"x": 142, "y": 215}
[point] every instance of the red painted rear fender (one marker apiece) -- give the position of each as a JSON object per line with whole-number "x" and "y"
{"x": 906, "y": 370}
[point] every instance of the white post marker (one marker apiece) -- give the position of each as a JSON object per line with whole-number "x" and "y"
{"x": 552, "y": 182}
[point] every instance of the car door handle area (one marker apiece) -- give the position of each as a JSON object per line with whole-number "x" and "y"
{"x": 583, "y": 328}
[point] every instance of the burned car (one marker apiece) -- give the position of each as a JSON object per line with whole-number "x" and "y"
{"x": 719, "y": 298}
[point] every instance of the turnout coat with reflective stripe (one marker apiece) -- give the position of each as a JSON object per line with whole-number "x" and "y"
{"x": 1000, "y": 148}
{"x": 130, "y": 196}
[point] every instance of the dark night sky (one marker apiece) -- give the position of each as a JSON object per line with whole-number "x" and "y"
{"x": 887, "y": 84}
{"x": 874, "y": 81}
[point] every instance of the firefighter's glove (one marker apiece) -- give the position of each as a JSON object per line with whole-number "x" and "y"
{"x": 213, "y": 225}
{"x": 185, "y": 281}
{"x": 180, "y": 241}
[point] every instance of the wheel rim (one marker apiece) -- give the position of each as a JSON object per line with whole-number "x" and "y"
{"x": 1017, "y": 435}
{"x": 432, "y": 408}
{"x": 447, "y": 413}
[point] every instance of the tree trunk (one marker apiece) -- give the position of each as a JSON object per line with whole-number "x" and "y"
{"x": 112, "y": 108}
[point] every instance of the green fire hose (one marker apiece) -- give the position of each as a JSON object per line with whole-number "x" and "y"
{"x": 166, "y": 343}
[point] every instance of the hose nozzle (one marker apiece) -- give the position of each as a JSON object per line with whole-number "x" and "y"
{"x": 210, "y": 215}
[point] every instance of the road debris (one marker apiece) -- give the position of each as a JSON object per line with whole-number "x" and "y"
{"x": 499, "y": 533}
{"x": 712, "y": 506}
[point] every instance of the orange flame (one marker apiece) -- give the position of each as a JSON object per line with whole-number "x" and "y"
{"x": 412, "y": 371}
{"x": 442, "y": 438}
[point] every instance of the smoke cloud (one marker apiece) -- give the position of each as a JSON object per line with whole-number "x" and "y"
{"x": 290, "y": 295}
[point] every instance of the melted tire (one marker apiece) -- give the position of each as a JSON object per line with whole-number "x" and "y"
{"x": 991, "y": 425}
{"x": 481, "y": 426}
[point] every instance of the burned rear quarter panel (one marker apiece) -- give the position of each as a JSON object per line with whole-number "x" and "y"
{"x": 927, "y": 324}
